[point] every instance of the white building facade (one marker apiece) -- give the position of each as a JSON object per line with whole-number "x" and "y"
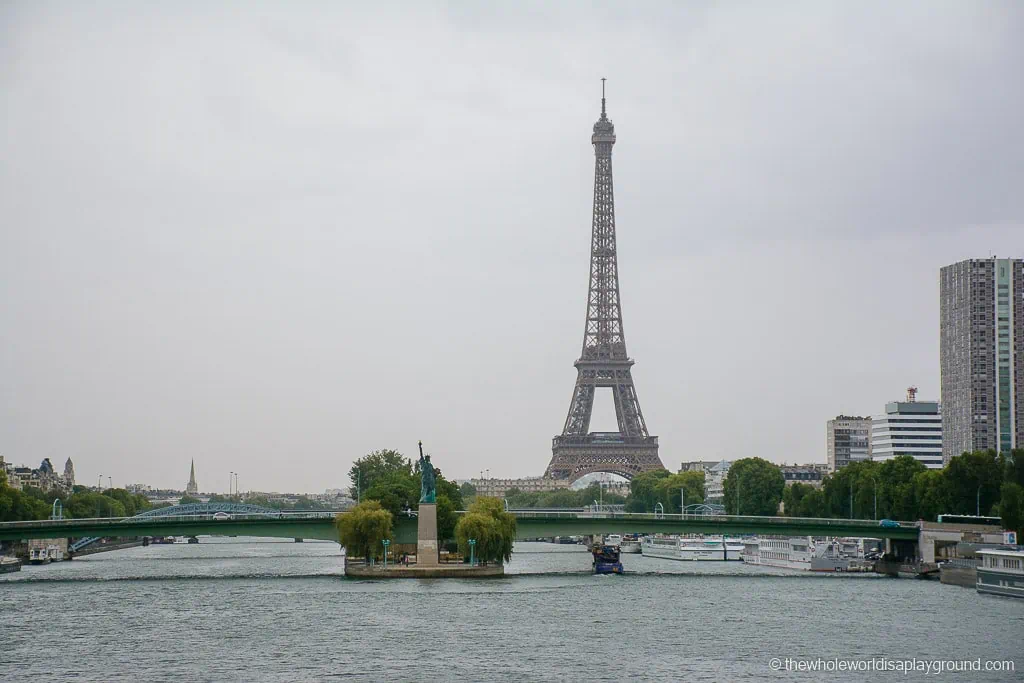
{"x": 911, "y": 428}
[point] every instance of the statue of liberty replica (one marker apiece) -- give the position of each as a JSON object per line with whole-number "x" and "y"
{"x": 426, "y": 533}
{"x": 428, "y": 480}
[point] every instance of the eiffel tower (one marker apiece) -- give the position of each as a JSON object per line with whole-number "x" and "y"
{"x": 603, "y": 362}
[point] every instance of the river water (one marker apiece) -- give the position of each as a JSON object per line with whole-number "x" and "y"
{"x": 232, "y": 609}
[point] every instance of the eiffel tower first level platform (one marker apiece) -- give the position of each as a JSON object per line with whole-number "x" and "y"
{"x": 603, "y": 362}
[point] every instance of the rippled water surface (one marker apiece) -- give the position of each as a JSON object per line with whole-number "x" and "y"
{"x": 261, "y": 610}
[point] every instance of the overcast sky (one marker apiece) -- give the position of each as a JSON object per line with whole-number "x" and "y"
{"x": 275, "y": 237}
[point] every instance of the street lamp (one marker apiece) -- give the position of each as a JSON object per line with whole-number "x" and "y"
{"x": 472, "y": 552}
{"x": 386, "y": 543}
{"x": 99, "y": 483}
{"x": 110, "y": 480}
{"x": 682, "y": 502}
{"x": 977, "y": 503}
{"x": 874, "y": 479}
{"x": 231, "y": 482}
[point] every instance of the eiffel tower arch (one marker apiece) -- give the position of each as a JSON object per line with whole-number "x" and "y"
{"x": 603, "y": 361}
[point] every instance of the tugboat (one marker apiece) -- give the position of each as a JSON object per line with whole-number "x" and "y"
{"x": 606, "y": 559}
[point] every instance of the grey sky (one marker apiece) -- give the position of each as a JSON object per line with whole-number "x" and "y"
{"x": 274, "y": 237}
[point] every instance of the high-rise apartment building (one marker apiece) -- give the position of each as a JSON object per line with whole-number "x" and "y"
{"x": 911, "y": 428}
{"x": 981, "y": 355}
{"x": 847, "y": 439}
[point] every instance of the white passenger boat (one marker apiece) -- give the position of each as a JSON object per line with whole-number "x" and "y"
{"x": 9, "y": 564}
{"x": 708, "y": 548}
{"x": 1001, "y": 571}
{"x": 50, "y": 553}
{"x": 630, "y": 545}
{"x": 613, "y": 539}
{"x": 803, "y": 553}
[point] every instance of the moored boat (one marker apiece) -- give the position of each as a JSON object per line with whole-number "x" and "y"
{"x": 710, "y": 548}
{"x": 630, "y": 545}
{"x": 606, "y": 559}
{"x": 9, "y": 564}
{"x": 1001, "y": 571}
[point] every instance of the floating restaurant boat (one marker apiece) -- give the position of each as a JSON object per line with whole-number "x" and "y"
{"x": 707, "y": 548}
{"x": 807, "y": 554}
{"x": 1001, "y": 571}
{"x": 630, "y": 544}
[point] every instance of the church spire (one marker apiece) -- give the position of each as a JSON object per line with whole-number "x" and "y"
{"x": 192, "y": 488}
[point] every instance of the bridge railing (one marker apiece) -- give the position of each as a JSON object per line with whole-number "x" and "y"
{"x": 734, "y": 519}
{"x": 92, "y": 521}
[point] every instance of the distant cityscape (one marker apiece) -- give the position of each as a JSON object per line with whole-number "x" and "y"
{"x": 981, "y": 366}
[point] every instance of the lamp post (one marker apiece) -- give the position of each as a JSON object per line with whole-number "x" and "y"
{"x": 472, "y": 552}
{"x": 739, "y": 483}
{"x": 851, "y": 497}
{"x": 876, "y": 496}
{"x": 386, "y": 543}
{"x": 231, "y": 484}
{"x": 110, "y": 480}
{"x": 99, "y": 483}
{"x": 682, "y": 502}
{"x": 977, "y": 503}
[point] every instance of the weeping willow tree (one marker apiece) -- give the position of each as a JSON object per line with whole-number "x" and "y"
{"x": 493, "y": 529}
{"x": 362, "y": 529}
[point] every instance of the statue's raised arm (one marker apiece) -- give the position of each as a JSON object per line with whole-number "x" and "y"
{"x": 428, "y": 483}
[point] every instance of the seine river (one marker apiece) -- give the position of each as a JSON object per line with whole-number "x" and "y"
{"x": 248, "y": 610}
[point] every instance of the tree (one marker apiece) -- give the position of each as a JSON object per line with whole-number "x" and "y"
{"x": 793, "y": 498}
{"x": 446, "y": 518}
{"x": 753, "y": 486}
{"x": 363, "y": 528}
{"x": 668, "y": 490}
{"x": 92, "y": 504}
{"x": 189, "y": 500}
{"x": 374, "y": 465}
{"x": 1011, "y": 507}
{"x": 931, "y": 494}
{"x": 643, "y": 495}
{"x": 973, "y": 478}
{"x": 493, "y": 529}
{"x": 395, "y": 491}
{"x": 468, "y": 490}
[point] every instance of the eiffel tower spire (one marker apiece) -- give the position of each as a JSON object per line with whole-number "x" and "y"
{"x": 603, "y": 360}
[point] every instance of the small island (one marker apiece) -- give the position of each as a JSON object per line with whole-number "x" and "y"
{"x": 483, "y": 535}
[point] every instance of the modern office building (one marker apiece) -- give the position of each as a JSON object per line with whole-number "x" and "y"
{"x": 981, "y": 355}
{"x": 911, "y": 428}
{"x": 847, "y": 439}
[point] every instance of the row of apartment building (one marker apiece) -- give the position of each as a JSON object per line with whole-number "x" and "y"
{"x": 981, "y": 365}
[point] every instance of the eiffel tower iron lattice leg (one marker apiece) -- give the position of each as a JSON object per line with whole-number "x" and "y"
{"x": 603, "y": 362}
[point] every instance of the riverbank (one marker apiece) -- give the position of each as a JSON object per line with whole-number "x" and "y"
{"x": 361, "y": 570}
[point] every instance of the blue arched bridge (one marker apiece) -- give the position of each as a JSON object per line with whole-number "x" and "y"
{"x": 197, "y": 520}
{"x": 198, "y": 510}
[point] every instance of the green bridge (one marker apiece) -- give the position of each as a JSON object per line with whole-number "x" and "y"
{"x": 530, "y": 524}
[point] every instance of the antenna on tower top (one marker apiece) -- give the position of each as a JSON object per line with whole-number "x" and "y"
{"x": 602, "y": 97}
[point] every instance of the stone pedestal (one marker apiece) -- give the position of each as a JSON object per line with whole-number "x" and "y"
{"x": 426, "y": 537}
